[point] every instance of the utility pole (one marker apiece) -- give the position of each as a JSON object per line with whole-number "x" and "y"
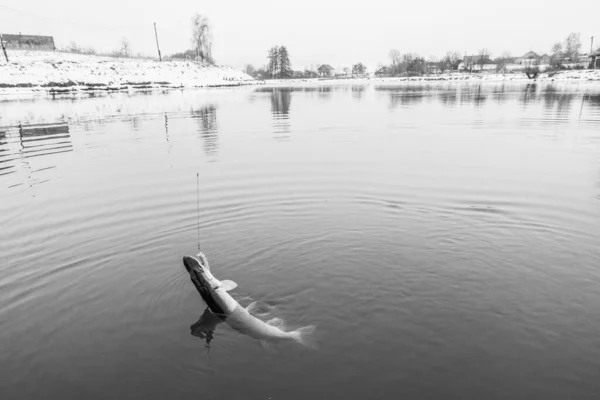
{"x": 157, "y": 47}
{"x": 3, "y": 48}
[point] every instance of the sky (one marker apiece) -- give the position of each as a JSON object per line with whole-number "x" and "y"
{"x": 340, "y": 33}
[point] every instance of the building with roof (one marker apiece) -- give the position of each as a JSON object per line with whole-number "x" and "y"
{"x": 529, "y": 58}
{"x": 477, "y": 63}
{"x": 28, "y": 42}
{"x": 326, "y": 71}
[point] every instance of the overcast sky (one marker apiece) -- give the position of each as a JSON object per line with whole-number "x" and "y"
{"x": 314, "y": 31}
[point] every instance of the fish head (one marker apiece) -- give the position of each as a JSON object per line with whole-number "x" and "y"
{"x": 199, "y": 271}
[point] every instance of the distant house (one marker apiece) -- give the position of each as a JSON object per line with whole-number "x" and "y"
{"x": 435, "y": 67}
{"x": 595, "y": 59}
{"x": 326, "y": 71}
{"x": 544, "y": 59}
{"x": 528, "y": 59}
{"x": 28, "y": 42}
{"x": 584, "y": 60}
{"x": 477, "y": 63}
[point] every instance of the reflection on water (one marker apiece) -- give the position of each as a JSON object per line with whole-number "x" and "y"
{"x": 19, "y": 145}
{"x": 480, "y": 96}
{"x": 498, "y": 93}
{"x": 206, "y": 325}
{"x": 325, "y": 92}
{"x": 529, "y": 93}
{"x": 404, "y": 96}
{"x": 557, "y": 102}
{"x": 358, "y": 91}
{"x": 555, "y": 99}
{"x": 27, "y": 147}
{"x": 461, "y": 222}
{"x": 593, "y": 99}
{"x": 448, "y": 98}
{"x": 206, "y": 118}
{"x": 281, "y": 99}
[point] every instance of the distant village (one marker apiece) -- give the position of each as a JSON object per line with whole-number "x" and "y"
{"x": 563, "y": 55}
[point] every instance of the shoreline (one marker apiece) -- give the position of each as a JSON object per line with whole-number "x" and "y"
{"x": 575, "y": 76}
{"x": 38, "y": 73}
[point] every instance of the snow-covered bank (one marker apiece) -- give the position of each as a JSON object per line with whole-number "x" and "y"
{"x": 560, "y": 76}
{"x": 56, "y": 72}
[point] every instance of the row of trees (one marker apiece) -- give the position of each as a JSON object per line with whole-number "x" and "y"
{"x": 413, "y": 64}
{"x": 567, "y": 51}
{"x": 278, "y": 65}
{"x": 273, "y": 71}
{"x": 563, "y": 52}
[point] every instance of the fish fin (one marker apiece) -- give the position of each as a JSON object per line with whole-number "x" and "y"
{"x": 276, "y": 322}
{"x": 251, "y": 307}
{"x": 228, "y": 285}
{"x": 305, "y": 336}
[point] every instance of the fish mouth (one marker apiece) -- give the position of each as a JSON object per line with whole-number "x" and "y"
{"x": 195, "y": 268}
{"x": 192, "y": 264}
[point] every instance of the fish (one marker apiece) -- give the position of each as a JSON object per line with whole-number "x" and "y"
{"x": 224, "y": 307}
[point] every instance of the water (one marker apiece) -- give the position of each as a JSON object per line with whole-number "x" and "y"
{"x": 443, "y": 238}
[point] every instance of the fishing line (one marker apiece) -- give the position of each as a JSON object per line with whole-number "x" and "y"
{"x": 198, "y": 202}
{"x": 582, "y": 100}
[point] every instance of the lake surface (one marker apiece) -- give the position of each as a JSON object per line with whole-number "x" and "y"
{"x": 443, "y": 238}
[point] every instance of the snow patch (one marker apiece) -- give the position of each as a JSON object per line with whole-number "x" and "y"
{"x": 31, "y": 71}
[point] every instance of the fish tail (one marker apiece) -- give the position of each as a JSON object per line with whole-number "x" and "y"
{"x": 305, "y": 336}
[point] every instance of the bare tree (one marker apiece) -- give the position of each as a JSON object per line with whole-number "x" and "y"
{"x": 74, "y": 47}
{"x": 249, "y": 69}
{"x": 501, "y": 62}
{"x": 572, "y": 46}
{"x": 557, "y": 47}
{"x": 395, "y": 59}
{"x": 394, "y": 56}
{"x": 125, "y": 47}
{"x": 202, "y": 38}
{"x": 452, "y": 59}
{"x": 359, "y": 69}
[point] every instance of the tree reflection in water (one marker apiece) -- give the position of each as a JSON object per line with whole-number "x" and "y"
{"x": 206, "y": 118}
{"x": 281, "y": 99}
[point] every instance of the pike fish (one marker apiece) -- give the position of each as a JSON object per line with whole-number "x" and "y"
{"x": 215, "y": 294}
